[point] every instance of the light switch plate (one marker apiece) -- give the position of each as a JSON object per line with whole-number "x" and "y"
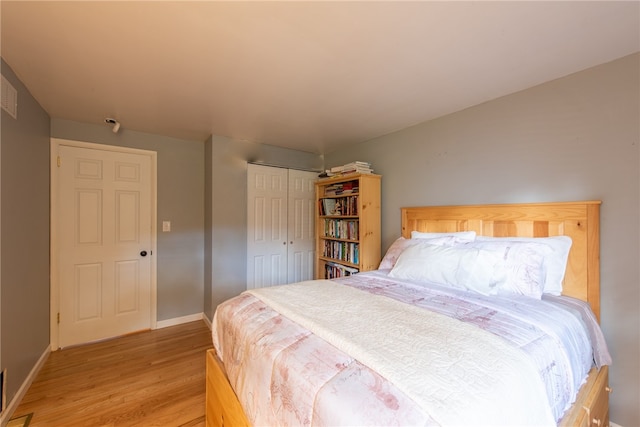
{"x": 166, "y": 225}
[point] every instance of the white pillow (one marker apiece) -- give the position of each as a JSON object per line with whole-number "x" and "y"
{"x": 397, "y": 247}
{"x": 555, "y": 260}
{"x": 523, "y": 264}
{"x": 463, "y": 236}
{"x": 504, "y": 269}
{"x": 444, "y": 265}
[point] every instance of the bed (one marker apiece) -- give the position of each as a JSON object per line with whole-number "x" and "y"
{"x": 286, "y": 374}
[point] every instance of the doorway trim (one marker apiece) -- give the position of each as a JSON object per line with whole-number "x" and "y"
{"x": 54, "y": 287}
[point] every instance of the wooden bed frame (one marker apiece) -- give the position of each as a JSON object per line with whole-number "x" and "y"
{"x": 578, "y": 220}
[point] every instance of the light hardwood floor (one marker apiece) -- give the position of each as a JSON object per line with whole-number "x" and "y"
{"x": 153, "y": 378}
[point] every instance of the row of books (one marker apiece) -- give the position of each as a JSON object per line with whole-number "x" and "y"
{"x": 344, "y": 251}
{"x": 340, "y": 188}
{"x": 332, "y": 270}
{"x": 341, "y": 229}
{"x": 342, "y": 206}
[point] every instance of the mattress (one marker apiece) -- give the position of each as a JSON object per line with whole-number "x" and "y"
{"x": 284, "y": 374}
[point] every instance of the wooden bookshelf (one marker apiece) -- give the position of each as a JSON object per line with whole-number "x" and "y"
{"x": 347, "y": 225}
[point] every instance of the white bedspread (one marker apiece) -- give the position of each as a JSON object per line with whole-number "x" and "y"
{"x": 466, "y": 370}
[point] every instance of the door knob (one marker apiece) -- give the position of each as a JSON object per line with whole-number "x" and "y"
{"x": 143, "y": 253}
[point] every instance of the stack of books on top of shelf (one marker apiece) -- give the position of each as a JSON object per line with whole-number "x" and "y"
{"x": 355, "y": 167}
{"x": 349, "y": 168}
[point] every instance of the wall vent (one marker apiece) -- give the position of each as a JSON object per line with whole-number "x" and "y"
{"x": 9, "y": 98}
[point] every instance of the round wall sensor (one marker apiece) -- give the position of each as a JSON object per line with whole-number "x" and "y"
{"x": 114, "y": 122}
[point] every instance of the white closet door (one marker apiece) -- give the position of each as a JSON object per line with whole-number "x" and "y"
{"x": 300, "y": 224}
{"x": 266, "y": 226}
{"x": 280, "y": 226}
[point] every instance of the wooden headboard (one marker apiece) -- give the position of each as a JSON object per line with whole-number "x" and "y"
{"x": 578, "y": 220}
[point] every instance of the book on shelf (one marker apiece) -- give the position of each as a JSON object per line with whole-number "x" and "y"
{"x": 342, "y": 251}
{"x": 333, "y": 270}
{"x": 328, "y": 207}
{"x": 340, "y": 206}
{"x": 341, "y": 229}
{"x": 338, "y": 189}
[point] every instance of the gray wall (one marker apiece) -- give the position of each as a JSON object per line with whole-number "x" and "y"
{"x": 24, "y": 193}
{"x": 180, "y": 200}
{"x": 227, "y": 168}
{"x": 574, "y": 138}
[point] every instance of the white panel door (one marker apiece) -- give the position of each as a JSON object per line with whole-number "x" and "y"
{"x": 104, "y": 243}
{"x": 301, "y": 231}
{"x": 280, "y": 226}
{"x": 266, "y": 226}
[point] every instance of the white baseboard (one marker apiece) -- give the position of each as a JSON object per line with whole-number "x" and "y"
{"x": 13, "y": 405}
{"x": 179, "y": 320}
{"x": 206, "y": 320}
{"x": 614, "y": 424}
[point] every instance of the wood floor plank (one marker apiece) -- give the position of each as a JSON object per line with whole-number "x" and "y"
{"x": 151, "y": 378}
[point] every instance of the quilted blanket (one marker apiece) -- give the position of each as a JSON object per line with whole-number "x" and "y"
{"x": 284, "y": 374}
{"x": 463, "y": 370}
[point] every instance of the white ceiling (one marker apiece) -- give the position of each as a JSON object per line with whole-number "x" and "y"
{"x": 303, "y": 75}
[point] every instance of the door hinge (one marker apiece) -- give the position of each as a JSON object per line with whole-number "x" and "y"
{"x": 59, "y": 161}
{"x": 58, "y": 318}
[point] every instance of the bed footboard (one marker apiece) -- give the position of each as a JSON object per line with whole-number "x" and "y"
{"x": 222, "y": 406}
